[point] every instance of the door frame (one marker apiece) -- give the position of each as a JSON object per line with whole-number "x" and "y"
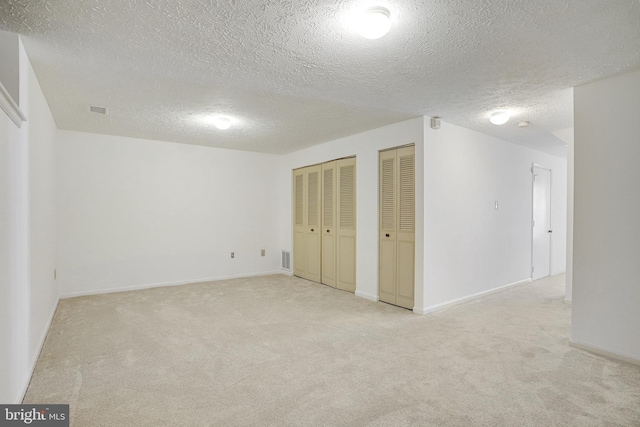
{"x": 533, "y": 167}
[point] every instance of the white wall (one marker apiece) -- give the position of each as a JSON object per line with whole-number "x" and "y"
{"x": 43, "y": 245}
{"x": 7, "y": 130}
{"x": 470, "y": 247}
{"x": 567, "y": 136}
{"x": 606, "y": 250}
{"x": 365, "y": 146}
{"x": 135, "y": 213}
{"x": 27, "y": 234}
{"x": 13, "y": 289}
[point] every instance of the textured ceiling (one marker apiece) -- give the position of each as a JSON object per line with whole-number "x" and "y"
{"x": 294, "y": 74}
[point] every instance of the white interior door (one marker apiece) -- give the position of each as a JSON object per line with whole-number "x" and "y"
{"x": 541, "y": 225}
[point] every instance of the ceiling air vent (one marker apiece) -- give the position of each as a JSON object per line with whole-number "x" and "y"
{"x": 98, "y": 110}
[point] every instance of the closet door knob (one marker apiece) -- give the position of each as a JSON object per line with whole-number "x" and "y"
{"x": 387, "y": 235}
{"x": 327, "y": 231}
{"x": 312, "y": 229}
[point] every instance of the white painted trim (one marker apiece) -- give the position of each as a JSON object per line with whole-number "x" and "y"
{"x": 286, "y": 272}
{"x": 163, "y": 284}
{"x": 442, "y": 306}
{"x": 10, "y": 107}
{"x": 36, "y": 356}
{"x": 539, "y": 166}
{"x": 365, "y": 295}
{"x": 606, "y": 353}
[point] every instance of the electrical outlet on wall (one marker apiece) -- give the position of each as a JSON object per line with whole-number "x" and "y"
{"x": 233, "y": 254}
{"x": 262, "y": 252}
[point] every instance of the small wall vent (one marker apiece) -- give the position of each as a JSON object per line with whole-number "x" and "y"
{"x": 286, "y": 260}
{"x": 98, "y": 110}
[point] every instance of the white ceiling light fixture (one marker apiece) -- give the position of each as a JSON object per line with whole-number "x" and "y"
{"x": 499, "y": 118}
{"x": 222, "y": 123}
{"x": 374, "y": 22}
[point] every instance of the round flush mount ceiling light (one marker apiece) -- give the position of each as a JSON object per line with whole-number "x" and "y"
{"x": 222, "y": 123}
{"x": 374, "y": 22}
{"x": 499, "y": 118}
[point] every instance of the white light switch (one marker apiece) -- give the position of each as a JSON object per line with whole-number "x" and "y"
{"x": 496, "y": 205}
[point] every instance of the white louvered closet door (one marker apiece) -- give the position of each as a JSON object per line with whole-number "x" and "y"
{"x": 313, "y": 218}
{"x": 397, "y": 226}
{"x": 346, "y": 223}
{"x": 328, "y": 229}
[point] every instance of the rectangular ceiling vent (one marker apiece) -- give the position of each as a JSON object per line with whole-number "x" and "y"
{"x": 98, "y": 110}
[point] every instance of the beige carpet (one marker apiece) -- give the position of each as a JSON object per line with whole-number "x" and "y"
{"x": 281, "y": 351}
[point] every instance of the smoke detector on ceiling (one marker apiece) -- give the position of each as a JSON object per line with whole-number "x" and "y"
{"x": 435, "y": 123}
{"x": 98, "y": 110}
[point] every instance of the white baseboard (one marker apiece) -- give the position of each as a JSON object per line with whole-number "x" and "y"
{"x": 442, "y": 306}
{"x": 36, "y": 356}
{"x": 606, "y": 353}
{"x": 163, "y": 284}
{"x": 365, "y": 295}
{"x": 286, "y": 272}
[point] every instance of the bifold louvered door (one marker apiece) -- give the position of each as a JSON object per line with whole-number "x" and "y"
{"x": 307, "y": 205}
{"x": 387, "y": 218}
{"x": 346, "y": 221}
{"x": 325, "y": 223}
{"x": 397, "y": 226}
{"x": 299, "y": 226}
{"x": 329, "y": 256}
